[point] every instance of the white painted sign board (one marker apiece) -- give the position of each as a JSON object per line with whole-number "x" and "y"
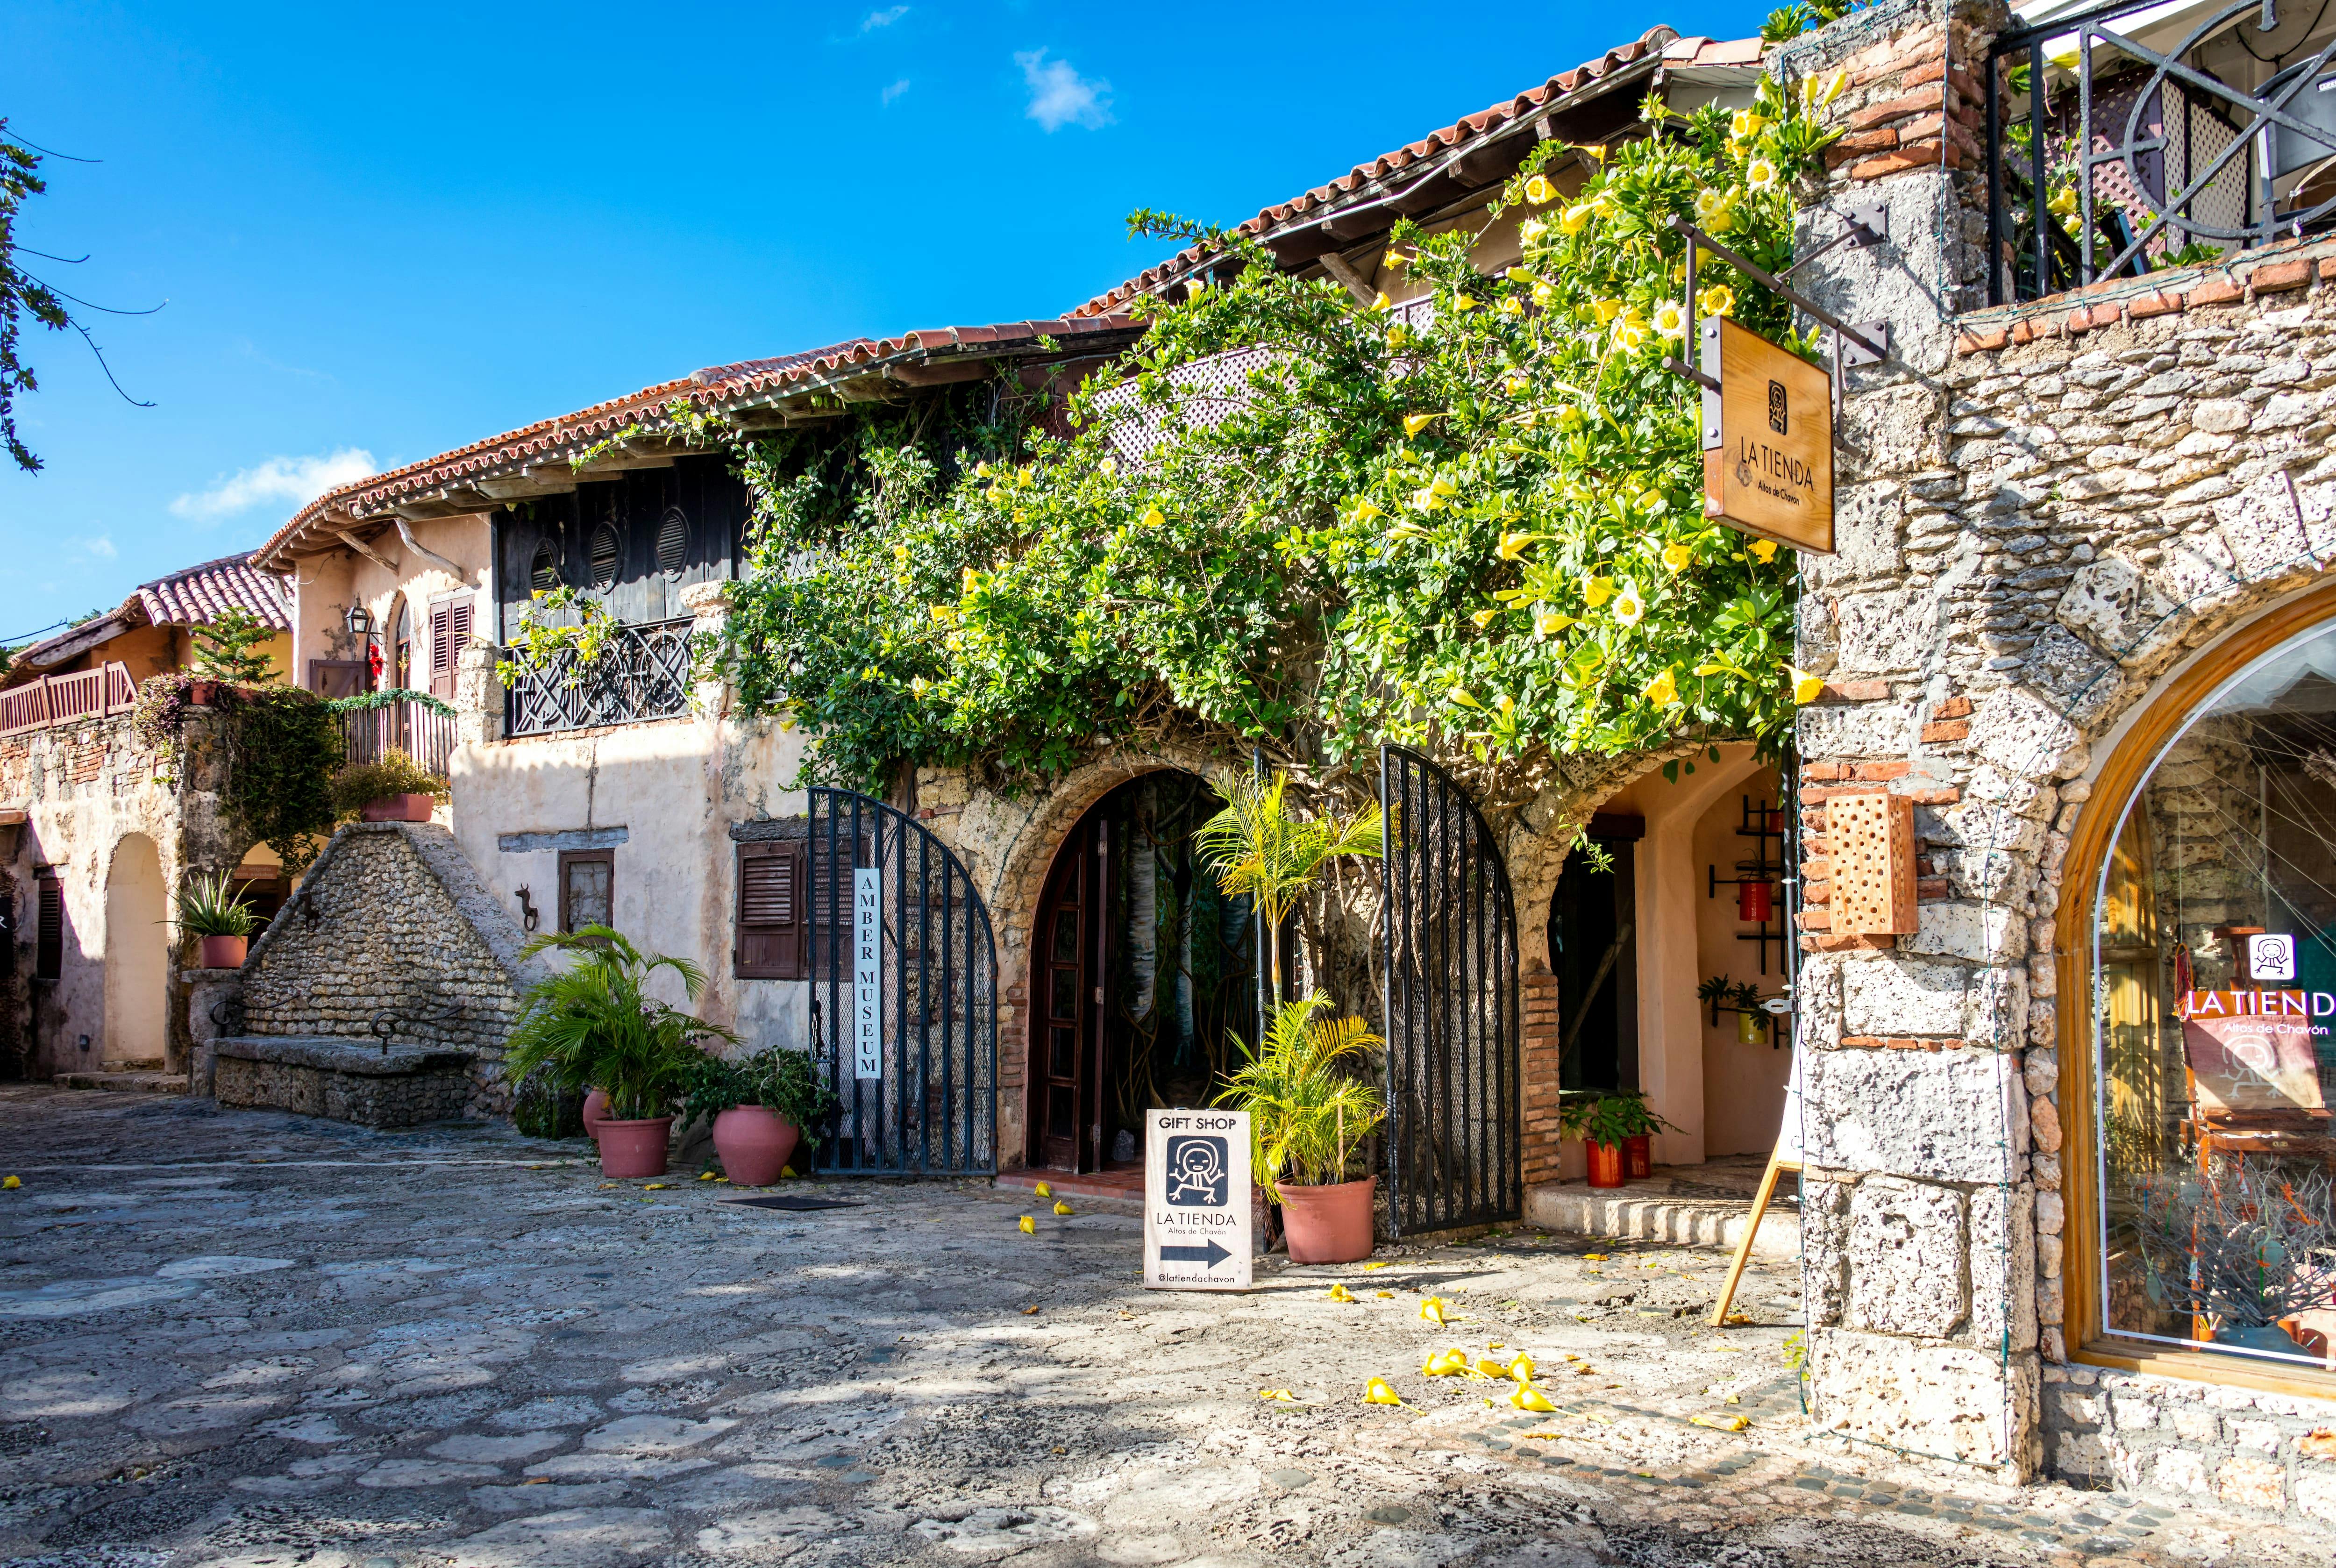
{"x": 867, "y": 972}
{"x": 1197, "y": 1219}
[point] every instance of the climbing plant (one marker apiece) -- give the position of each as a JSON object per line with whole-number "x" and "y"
{"x": 1475, "y": 521}
{"x": 281, "y": 747}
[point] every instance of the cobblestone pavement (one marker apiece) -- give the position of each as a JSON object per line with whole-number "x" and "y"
{"x": 241, "y": 1338}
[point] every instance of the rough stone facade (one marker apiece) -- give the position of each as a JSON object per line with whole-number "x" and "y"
{"x": 402, "y": 1087}
{"x": 393, "y": 922}
{"x": 2041, "y": 511}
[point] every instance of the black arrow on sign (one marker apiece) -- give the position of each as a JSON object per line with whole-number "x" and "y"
{"x": 1207, "y": 1256}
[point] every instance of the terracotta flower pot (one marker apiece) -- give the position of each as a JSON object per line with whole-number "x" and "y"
{"x": 225, "y": 952}
{"x": 595, "y": 1111}
{"x": 199, "y": 692}
{"x": 754, "y": 1143}
{"x": 635, "y": 1148}
{"x": 1329, "y": 1224}
{"x": 1639, "y": 1157}
{"x": 406, "y": 808}
{"x": 1605, "y": 1163}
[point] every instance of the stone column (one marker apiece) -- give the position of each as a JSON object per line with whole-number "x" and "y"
{"x": 211, "y": 991}
{"x": 711, "y": 695}
{"x": 477, "y": 694}
{"x": 1920, "y": 1256}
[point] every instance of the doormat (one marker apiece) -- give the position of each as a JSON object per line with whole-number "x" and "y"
{"x": 794, "y": 1203}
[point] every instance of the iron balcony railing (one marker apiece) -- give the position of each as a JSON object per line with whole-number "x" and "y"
{"x": 58, "y": 698}
{"x": 641, "y": 672}
{"x": 415, "y": 727}
{"x": 2180, "y": 134}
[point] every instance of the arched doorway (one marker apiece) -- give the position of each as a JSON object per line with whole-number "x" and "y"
{"x": 137, "y": 954}
{"x": 1140, "y": 972}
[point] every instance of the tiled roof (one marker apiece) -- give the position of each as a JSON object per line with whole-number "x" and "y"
{"x": 717, "y": 388}
{"x": 196, "y": 595}
{"x": 1412, "y": 160}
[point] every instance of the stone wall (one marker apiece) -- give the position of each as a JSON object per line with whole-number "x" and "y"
{"x": 400, "y": 1087}
{"x": 2041, "y": 512}
{"x": 392, "y": 920}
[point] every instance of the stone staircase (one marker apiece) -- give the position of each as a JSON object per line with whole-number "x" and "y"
{"x": 1705, "y": 1205}
{"x": 127, "y": 1078}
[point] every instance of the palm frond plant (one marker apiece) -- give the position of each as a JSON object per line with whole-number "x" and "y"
{"x": 593, "y": 1024}
{"x": 1308, "y": 1112}
{"x": 1262, "y": 849}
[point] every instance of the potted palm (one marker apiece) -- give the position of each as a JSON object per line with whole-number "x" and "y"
{"x": 1308, "y": 1116}
{"x": 391, "y": 788}
{"x": 594, "y": 1023}
{"x": 1308, "y": 1113}
{"x": 762, "y": 1108}
{"x": 210, "y": 910}
{"x": 1606, "y": 1123}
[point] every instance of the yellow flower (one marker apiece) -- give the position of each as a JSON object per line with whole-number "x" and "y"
{"x": 1745, "y": 125}
{"x": 1760, "y": 175}
{"x": 969, "y": 579}
{"x": 919, "y": 686}
{"x": 1431, "y": 1307}
{"x": 1532, "y": 230}
{"x": 1594, "y": 150}
{"x": 1154, "y": 517}
{"x": 1463, "y": 303}
{"x": 1022, "y": 477}
{"x": 1662, "y": 691}
{"x": 1630, "y": 331}
{"x": 1413, "y": 423}
{"x": 1708, "y": 201}
{"x": 1629, "y": 607}
{"x": 1483, "y": 617}
{"x": 1764, "y": 550}
{"x": 10, "y": 1185}
{"x": 1376, "y": 1392}
{"x": 1513, "y": 545}
{"x": 1041, "y": 1190}
{"x": 944, "y": 613}
{"x": 1364, "y": 510}
{"x": 1516, "y": 386}
{"x": 1400, "y": 259}
{"x": 1575, "y": 220}
{"x": 981, "y": 470}
{"x": 1063, "y": 1209}
{"x": 1551, "y": 623}
{"x": 1543, "y": 295}
{"x": 1522, "y": 1368}
{"x": 1806, "y": 687}
{"x": 1338, "y": 1292}
{"x": 1382, "y": 302}
{"x": 1597, "y": 590}
{"x": 1670, "y": 319}
{"x": 1716, "y": 300}
{"x": 1441, "y": 486}
{"x": 1528, "y": 1397}
{"x": 1464, "y": 700}
{"x": 1539, "y": 191}
{"x": 1512, "y": 305}
{"x": 1677, "y": 556}
{"x": 1029, "y": 1226}
{"x": 1518, "y": 275}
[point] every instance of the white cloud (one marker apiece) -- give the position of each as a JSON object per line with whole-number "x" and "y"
{"x": 894, "y": 91}
{"x": 288, "y": 480}
{"x": 102, "y": 546}
{"x": 1060, "y": 96}
{"x": 884, "y": 18}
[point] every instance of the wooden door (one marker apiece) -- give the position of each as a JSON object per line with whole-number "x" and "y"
{"x": 1067, "y": 1008}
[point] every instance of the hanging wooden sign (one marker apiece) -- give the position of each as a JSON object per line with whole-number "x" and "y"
{"x": 1767, "y": 439}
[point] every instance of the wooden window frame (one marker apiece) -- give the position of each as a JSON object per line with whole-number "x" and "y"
{"x": 607, "y": 857}
{"x": 452, "y": 621}
{"x": 789, "y": 958}
{"x": 2090, "y": 839}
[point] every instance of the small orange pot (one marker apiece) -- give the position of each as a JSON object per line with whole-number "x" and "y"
{"x": 225, "y": 952}
{"x": 635, "y": 1148}
{"x": 1329, "y": 1224}
{"x": 406, "y": 808}
{"x": 595, "y": 1111}
{"x": 1639, "y": 1157}
{"x": 1605, "y": 1163}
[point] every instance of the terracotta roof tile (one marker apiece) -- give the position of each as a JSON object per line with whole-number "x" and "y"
{"x": 196, "y": 595}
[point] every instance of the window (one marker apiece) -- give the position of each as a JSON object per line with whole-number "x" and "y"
{"x": 771, "y": 928}
{"x": 450, "y": 628}
{"x": 672, "y": 542}
{"x": 2213, "y": 952}
{"x": 588, "y": 889}
{"x": 544, "y": 575}
{"x": 401, "y": 644}
{"x": 608, "y": 557}
{"x": 49, "y": 935}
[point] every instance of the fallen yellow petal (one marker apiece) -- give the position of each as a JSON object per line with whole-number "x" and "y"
{"x": 705, "y": 1176}
{"x": 1380, "y": 1264}
{"x": 1376, "y": 1392}
{"x": 1593, "y": 1257}
{"x": 1278, "y": 1396}
{"x": 1383, "y": 1294}
{"x": 1042, "y": 1191}
{"x": 1522, "y": 1369}
{"x": 1527, "y": 1397}
{"x": 10, "y": 1185}
{"x": 1338, "y": 1292}
{"x": 1721, "y": 1423}
{"x": 1029, "y": 1226}
{"x": 1063, "y": 1209}
{"x": 656, "y": 1186}
{"x": 1431, "y": 1310}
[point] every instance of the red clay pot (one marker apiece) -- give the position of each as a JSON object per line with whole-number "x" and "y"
{"x": 1639, "y": 1157}
{"x": 1329, "y": 1224}
{"x": 225, "y": 952}
{"x": 1605, "y": 1163}
{"x": 595, "y": 1111}
{"x": 635, "y": 1148}
{"x": 754, "y": 1143}
{"x": 407, "y": 808}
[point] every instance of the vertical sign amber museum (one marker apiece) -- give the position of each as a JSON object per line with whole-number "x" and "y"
{"x": 1769, "y": 471}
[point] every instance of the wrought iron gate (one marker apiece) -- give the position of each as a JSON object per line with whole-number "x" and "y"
{"x": 1448, "y": 936}
{"x": 904, "y": 995}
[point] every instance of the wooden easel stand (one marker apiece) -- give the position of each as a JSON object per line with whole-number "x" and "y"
{"x": 1779, "y": 1162}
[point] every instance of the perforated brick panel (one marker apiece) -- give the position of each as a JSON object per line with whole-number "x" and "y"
{"x": 1872, "y": 839}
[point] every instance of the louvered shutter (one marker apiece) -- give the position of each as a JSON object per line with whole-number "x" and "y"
{"x": 450, "y": 628}
{"x": 770, "y": 911}
{"x": 49, "y": 944}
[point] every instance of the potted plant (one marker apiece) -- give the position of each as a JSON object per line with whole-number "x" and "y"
{"x": 1743, "y": 1000}
{"x": 210, "y": 910}
{"x": 762, "y": 1108}
{"x": 594, "y": 1023}
{"x": 1308, "y": 1116}
{"x": 1605, "y": 1122}
{"x": 391, "y": 788}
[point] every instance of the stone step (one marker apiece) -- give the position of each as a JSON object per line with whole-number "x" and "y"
{"x": 129, "y": 1082}
{"x": 1103, "y": 1193}
{"x": 1652, "y": 1211}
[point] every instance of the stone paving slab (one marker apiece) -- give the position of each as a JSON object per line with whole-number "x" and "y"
{"x": 244, "y": 1338}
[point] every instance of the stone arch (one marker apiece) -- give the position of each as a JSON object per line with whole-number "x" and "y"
{"x": 137, "y": 954}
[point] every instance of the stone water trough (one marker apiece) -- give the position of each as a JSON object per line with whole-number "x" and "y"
{"x": 346, "y": 1080}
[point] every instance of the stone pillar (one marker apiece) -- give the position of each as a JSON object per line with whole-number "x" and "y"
{"x": 1538, "y": 1071}
{"x": 210, "y": 992}
{"x": 477, "y": 694}
{"x": 1920, "y": 1256}
{"x": 711, "y": 695}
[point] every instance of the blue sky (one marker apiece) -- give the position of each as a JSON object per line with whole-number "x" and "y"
{"x": 385, "y": 232}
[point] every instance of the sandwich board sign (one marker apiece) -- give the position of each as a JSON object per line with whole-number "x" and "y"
{"x": 1767, "y": 439}
{"x": 1197, "y": 1221}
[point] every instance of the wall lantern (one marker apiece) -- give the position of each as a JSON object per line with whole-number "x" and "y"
{"x": 360, "y": 621}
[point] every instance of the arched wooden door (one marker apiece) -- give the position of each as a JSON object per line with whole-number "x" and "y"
{"x": 1449, "y": 934}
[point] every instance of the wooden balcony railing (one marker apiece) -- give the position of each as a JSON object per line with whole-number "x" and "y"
{"x": 52, "y": 699}
{"x": 421, "y": 728}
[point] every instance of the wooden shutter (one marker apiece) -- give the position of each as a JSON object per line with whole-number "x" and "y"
{"x": 442, "y": 650}
{"x": 770, "y": 911}
{"x": 49, "y": 945}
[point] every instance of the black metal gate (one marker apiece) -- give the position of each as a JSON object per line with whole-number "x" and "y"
{"x": 904, "y": 995}
{"x": 1448, "y": 935}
